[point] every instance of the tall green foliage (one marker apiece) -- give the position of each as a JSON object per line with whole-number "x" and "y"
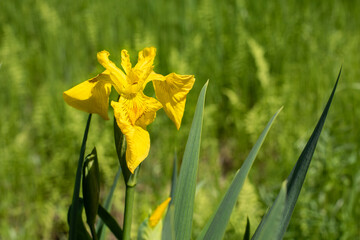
{"x": 45, "y": 46}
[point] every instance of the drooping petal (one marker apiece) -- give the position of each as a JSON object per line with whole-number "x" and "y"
{"x": 117, "y": 76}
{"x": 157, "y": 214}
{"x": 171, "y": 91}
{"x": 132, "y": 116}
{"x": 138, "y": 144}
{"x": 91, "y": 96}
{"x": 138, "y": 147}
{"x": 145, "y": 63}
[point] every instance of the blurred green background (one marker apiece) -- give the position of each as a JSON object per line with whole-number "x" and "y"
{"x": 259, "y": 56}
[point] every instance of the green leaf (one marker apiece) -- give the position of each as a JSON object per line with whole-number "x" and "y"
{"x": 91, "y": 187}
{"x": 173, "y": 179}
{"x": 110, "y": 222}
{"x": 100, "y": 228}
{"x": 270, "y": 229}
{"x": 80, "y": 230}
{"x": 247, "y": 230}
{"x": 168, "y": 231}
{"x": 216, "y": 226}
{"x": 185, "y": 187}
{"x": 297, "y": 176}
{"x": 75, "y": 199}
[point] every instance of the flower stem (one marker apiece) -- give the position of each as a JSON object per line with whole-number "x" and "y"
{"x": 129, "y": 201}
{"x": 75, "y": 200}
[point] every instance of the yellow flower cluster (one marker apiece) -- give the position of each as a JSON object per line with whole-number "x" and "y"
{"x": 134, "y": 110}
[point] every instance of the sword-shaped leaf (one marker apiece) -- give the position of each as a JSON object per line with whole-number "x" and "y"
{"x": 168, "y": 232}
{"x": 185, "y": 187}
{"x": 216, "y": 226}
{"x": 100, "y": 227}
{"x": 272, "y": 221}
{"x": 297, "y": 176}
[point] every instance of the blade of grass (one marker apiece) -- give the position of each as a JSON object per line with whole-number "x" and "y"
{"x": 297, "y": 176}
{"x": 185, "y": 187}
{"x": 216, "y": 226}
{"x": 75, "y": 200}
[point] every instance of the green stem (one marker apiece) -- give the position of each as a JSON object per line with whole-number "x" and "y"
{"x": 129, "y": 202}
{"x": 75, "y": 200}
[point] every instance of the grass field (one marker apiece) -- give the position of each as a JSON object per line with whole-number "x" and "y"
{"x": 259, "y": 56}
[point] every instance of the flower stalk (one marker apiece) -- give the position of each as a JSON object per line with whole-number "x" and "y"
{"x": 75, "y": 200}
{"x": 129, "y": 203}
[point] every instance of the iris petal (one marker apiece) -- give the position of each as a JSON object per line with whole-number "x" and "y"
{"x": 91, "y": 96}
{"x": 125, "y": 61}
{"x": 171, "y": 91}
{"x": 157, "y": 214}
{"x": 117, "y": 76}
{"x": 145, "y": 63}
{"x": 132, "y": 116}
{"x": 138, "y": 144}
{"x": 151, "y": 107}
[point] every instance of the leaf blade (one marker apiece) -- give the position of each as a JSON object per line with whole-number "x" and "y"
{"x": 100, "y": 227}
{"x": 91, "y": 186}
{"x": 110, "y": 222}
{"x": 186, "y": 184}
{"x": 80, "y": 230}
{"x": 75, "y": 200}
{"x": 297, "y": 176}
{"x": 247, "y": 230}
{"x": 168, "y": 225}
{"x": 216, "y": 226}
{"x": 270, "y": 230}
{"x": 294, "y": 186}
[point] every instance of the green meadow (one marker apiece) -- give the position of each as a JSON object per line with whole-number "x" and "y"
{"x": 258, "y": 56}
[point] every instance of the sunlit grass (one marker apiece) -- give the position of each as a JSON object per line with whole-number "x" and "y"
{"x": 258, "y": 57}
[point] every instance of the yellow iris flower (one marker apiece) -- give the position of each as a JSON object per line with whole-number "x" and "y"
{"x": 157, "y": 214}
{"x": 134, "y": 110}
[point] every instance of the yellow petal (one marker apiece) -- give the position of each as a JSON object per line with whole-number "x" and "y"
{"x": 145, "y": 63}
{"x": 118, "y": 77}
{"x": 125, "y": 61}
{"x": 91, "y": 96}
{"x": 157, "y": 214}
{"x": 138, "y": 144}
{"x": 132, "y": 116}
{"x": 137, "y": 109}
{"x": 154, "y": 76}
{"x": 171, "y": 91}
{"x": 151, "y": 107}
